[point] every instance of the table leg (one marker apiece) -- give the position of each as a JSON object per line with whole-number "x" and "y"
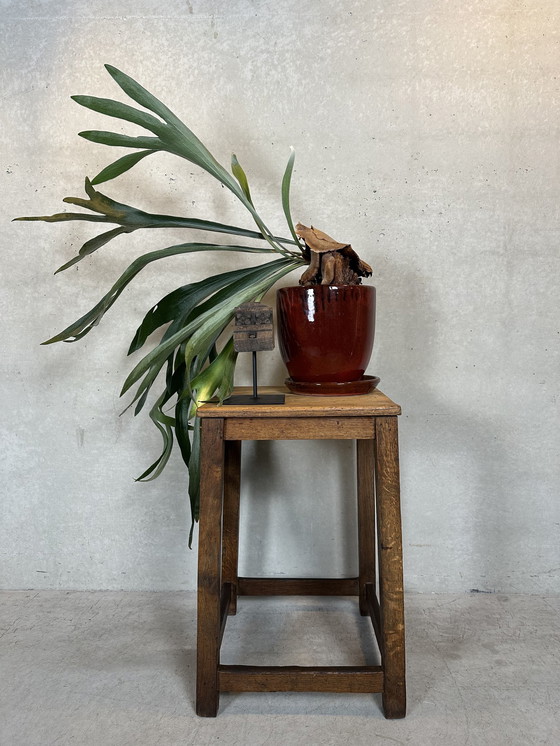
{"x": 209, "y": 567}
{"x": 232, "y": 481}
{"x": 366, "y": 519}
{"x": 391, "y": 596}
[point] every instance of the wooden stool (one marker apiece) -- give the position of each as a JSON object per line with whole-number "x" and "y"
{"x": 369, "y": 419}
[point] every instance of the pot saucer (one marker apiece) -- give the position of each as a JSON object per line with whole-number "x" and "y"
{"x": 333, "y": 388}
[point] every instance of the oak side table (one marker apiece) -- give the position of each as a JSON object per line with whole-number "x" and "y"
{"x": 370, "y": 420}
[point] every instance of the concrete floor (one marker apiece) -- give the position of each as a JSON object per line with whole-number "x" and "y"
{"x": 117, "y": 669}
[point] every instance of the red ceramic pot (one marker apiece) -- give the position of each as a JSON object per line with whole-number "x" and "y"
{"x": 326, "y": 336}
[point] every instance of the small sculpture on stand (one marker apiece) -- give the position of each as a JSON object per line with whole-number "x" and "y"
{"x": 254, "y": 333}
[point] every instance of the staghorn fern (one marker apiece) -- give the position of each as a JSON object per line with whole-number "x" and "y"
{"x": 196, "y": 314}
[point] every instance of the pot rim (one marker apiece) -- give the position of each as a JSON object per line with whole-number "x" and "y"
{"x": 324, "y": 288}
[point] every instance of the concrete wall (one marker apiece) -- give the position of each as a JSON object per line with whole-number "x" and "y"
{"x": 426, "y": 135}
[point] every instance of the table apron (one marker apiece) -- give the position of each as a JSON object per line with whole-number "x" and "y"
{"x": 308, "y": 428}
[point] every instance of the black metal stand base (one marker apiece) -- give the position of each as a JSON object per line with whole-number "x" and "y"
{"x": 255, "y": 397}
{"x": 259, "y": 399}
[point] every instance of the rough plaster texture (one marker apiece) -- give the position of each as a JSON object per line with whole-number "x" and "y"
{"x": 427, "y": 135}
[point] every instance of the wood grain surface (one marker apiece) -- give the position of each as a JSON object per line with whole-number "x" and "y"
{"x": 230, "y": 526}
{"x": 298, "y": 587}
{"x": 372, "y": 421}
{"x": 355, "y": 679}
{"x": 391, "y": 595}
{"x": 298, "y": 405}
{"x": 209, "y": 614}
{"x": 307, "y": 428}
{"x": 366, "y": 519}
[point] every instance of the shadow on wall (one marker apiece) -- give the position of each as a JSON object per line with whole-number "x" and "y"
{"x": 298, "y": 507}
{"x": 455, "y": 502}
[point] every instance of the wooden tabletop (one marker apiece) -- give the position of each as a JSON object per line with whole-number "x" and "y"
{"x": 375, "y": 404}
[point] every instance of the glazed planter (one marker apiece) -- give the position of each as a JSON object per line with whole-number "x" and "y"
{"x": 325, "y": 336}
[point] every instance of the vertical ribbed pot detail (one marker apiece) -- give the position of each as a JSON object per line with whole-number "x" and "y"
{"x": 325, "y": 335}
